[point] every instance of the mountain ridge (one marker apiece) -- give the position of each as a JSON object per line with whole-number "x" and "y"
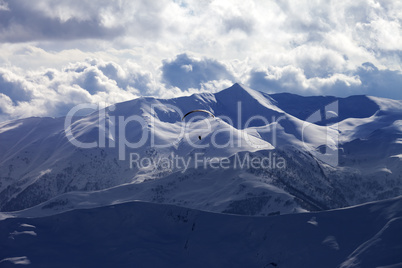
{"x": 48, "y": 165}
{"x": 165, "y": 235}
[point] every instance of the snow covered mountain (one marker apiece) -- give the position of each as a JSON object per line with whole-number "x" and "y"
{"x": 138, "y": 234}
{"x": 329, "y": 152}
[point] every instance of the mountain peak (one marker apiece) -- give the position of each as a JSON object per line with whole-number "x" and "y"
{"x": 238, "y": 87}
{"x": 238, "y": 92}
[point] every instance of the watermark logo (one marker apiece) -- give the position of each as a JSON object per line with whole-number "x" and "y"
{"x": 161, "y": 126}
{"x": 325, "y": 135}
{"x": 199, "y": 160}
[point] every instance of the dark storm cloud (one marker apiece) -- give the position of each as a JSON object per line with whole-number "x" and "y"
{"x": 388, "y": 82}
{"x": 20, "y": 22}
{"x": 185, "y": 72}
{"x": 258, "y": 80}
{"x": 238, "y": 23}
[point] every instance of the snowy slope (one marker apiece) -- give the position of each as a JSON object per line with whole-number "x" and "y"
{"x": 137, "y": 234}
{"x": 38, "y": 164}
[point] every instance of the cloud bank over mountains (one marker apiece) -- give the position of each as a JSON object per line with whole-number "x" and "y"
{"x": 56, "y": 54}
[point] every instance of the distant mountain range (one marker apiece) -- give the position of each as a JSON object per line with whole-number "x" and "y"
{"x": 136, "y": 184}
{"x": 335, "y": 152}
{"x": 138, "y": 234}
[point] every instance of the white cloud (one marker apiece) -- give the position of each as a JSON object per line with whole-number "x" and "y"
{"x": 54, "y": 92}
{"x": 292, "y": 79}
{"x": 186, "y": 72}
{"x": 137, "y": 47}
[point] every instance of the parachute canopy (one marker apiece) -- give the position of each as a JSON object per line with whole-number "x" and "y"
{"x": 198, "y": 110}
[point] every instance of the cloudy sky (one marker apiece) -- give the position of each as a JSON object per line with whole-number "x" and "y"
{"x": 55, "y": 54}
